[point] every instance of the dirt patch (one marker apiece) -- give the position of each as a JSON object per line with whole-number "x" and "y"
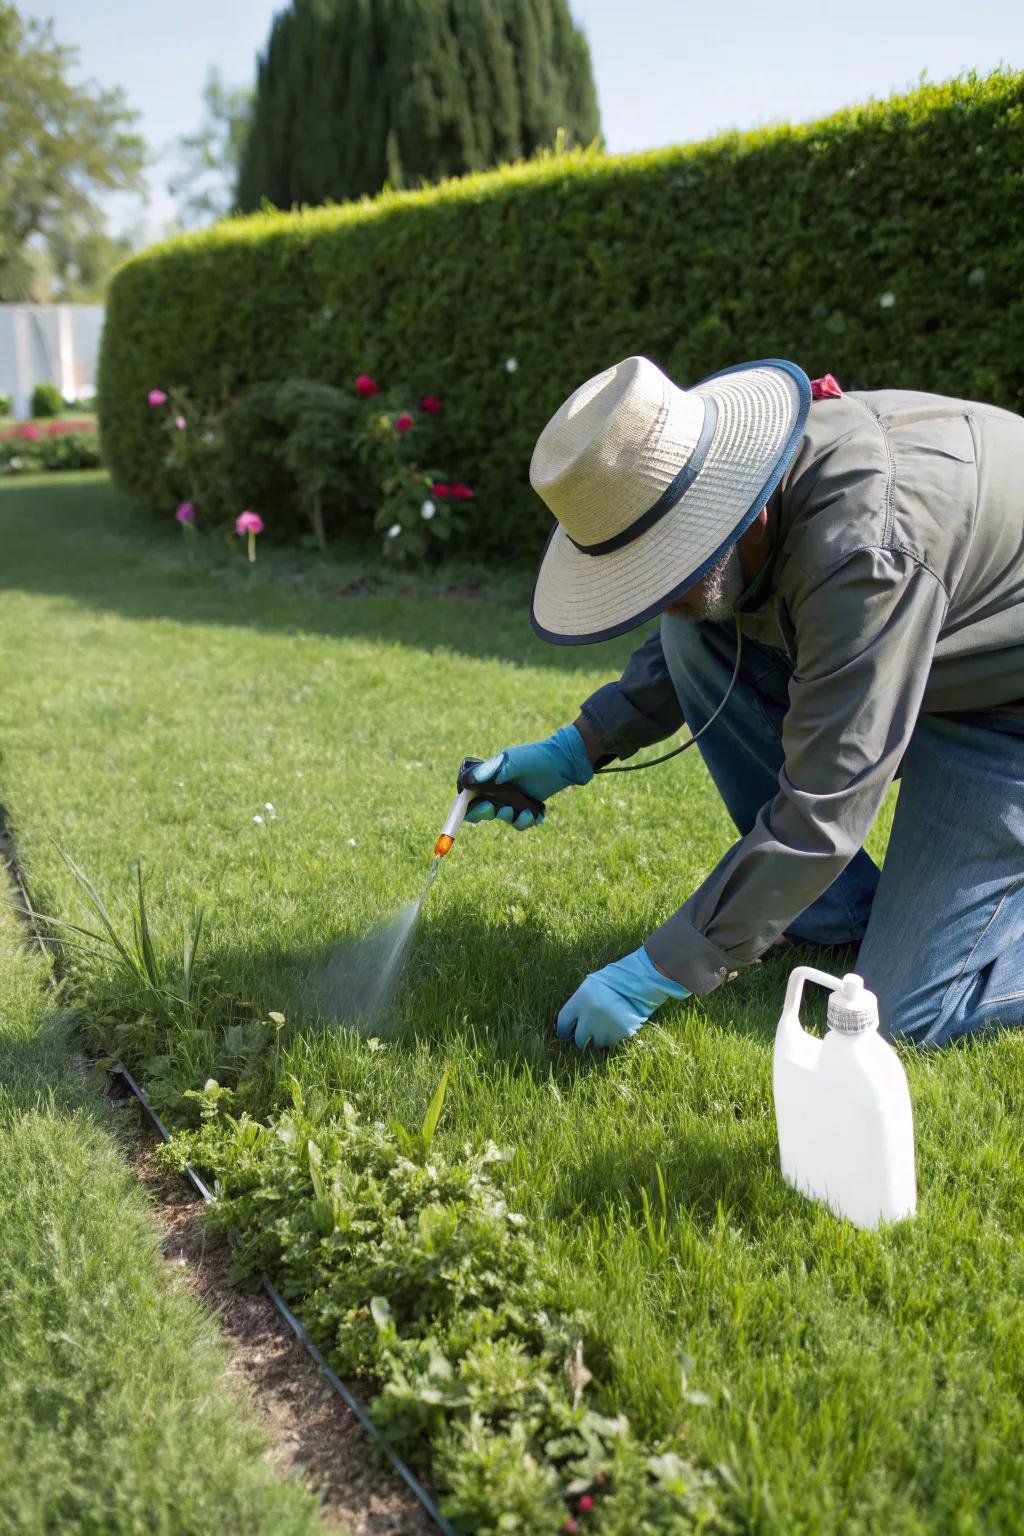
{"x": 313, "y": 1435}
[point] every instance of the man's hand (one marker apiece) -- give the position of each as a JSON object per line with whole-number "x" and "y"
{"x": 539, "y": 768}
{"x": 613, "y": 1003}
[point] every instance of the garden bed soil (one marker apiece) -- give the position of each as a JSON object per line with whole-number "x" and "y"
{"x": 313, "y": 1434}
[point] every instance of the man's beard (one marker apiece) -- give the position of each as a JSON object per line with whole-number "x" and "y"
{"x": 715, "y": 596}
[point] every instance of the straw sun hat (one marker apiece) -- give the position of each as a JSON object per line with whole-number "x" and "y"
{"x": 651, "y": 484}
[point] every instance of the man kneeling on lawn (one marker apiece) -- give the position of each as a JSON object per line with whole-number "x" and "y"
{"x": 870, "y": 547}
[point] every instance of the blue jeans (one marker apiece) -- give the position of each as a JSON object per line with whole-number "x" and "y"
{"x": 941, "y": 926}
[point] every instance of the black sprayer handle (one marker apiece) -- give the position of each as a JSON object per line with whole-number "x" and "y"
{"x": 497, "y": 794}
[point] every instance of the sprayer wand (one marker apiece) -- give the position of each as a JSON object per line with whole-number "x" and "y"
{"x": 467, "y": 793}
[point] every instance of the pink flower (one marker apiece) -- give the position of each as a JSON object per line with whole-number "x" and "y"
{"x": 825, "y": 389}
{"x": 441, "y": 489}
{"x": 249, "y": 523}
{"x": 186, "y": 513}
{"x": 157, "y": 397}
{"x": 57, "y": 429}
{"x": 460, "y": 492}
{"x": 403, "y": 422}
{"x": 32, "y": 433}
{"x": 365, "y": 385}
{"x": 431, "y": 404}
{"x": 179, "y": 422}
{"x": 585, "y": 1504}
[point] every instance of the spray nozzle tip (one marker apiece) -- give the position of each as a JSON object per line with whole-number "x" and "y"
{"x": 443, "y": 844}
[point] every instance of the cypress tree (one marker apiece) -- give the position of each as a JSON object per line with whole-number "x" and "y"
{"x": 351, "y": 94}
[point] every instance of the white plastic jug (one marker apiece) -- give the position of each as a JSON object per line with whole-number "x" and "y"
{"x": 846, "y": 1132}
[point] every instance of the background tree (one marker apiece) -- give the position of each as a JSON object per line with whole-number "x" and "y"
{"x": 205, "y": 184}
{"x": 60, "y": 144}
{"x": 355, "y": 93}
{"x": 82, "y": 262}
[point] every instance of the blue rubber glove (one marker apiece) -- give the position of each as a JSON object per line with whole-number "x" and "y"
{"x": 613, "y": 1003}
{"x": 540, "y": 768}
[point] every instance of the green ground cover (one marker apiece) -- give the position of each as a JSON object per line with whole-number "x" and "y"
{"x": 822, "y": 1379}
{"x": 116, "y": 1417}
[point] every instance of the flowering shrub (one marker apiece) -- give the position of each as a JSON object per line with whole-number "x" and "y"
{"x": 317, "y": 450}
{"x": 194, "y": 457}
{"x": 32, "y": 450}
{"x": 310, "y": 453}
{"x": 28, "y": 431}
{"x": 413, "y": 507}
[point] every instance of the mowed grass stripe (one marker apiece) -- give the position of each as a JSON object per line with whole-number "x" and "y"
{"x": 117, "y": 1416}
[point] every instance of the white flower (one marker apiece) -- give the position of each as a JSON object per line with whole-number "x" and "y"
{"x": 511, "y": 365}
{"x": 298, "y": 773}
{"x": 887, "y": 300}
{"x": 394, "y": 530}
{"x": 976, "y": 277}
{"x": 258, "y": 820}
{"x": 268, "y": 807}
{"x": 350, "y": 841}
{"x": 15, "y": 462}
{"x": 209, "y": 437}
{"x": 427, "y": 511}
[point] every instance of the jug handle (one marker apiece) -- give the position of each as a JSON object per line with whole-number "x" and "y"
{"x": 795, "y": 987}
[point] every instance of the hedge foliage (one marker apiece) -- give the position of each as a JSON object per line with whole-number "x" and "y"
{"x": 884, "y": 245}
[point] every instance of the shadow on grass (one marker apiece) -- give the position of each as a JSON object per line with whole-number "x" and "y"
{"x": 461, "y": 978}
{"x": 83, "y": 542}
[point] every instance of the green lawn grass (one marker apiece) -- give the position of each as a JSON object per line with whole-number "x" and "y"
{"x": 116, "y": 1416}
{"x": 834, "y": 1381}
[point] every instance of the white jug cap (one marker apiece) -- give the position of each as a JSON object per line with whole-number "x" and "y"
{"x": 852, "y": 1009}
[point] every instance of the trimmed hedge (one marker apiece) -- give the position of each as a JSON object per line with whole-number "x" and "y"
{"x": 884, "y": 245}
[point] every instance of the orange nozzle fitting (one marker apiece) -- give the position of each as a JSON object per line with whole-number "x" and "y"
{"x": 443, "y": 844}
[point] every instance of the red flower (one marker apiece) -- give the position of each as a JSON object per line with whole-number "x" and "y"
{"x": 825, "y": 389}
{"x": 32, "y": 433}
{"x": 403, "y": 422}
{"x": 431, "y": 404}
{"x": 460, "y": 492}
{"x": 569, "y": 1527}
{"x": 585, "y": 1505}
{"x": 441, "y": 489}
{"x": 56, "y": 428}
{"x": 365, "y": 385}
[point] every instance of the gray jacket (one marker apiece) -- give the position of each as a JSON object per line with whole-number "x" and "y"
{"x": 896, "y": 585}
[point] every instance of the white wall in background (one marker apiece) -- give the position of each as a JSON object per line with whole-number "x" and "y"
{"x": 49, "y": 344}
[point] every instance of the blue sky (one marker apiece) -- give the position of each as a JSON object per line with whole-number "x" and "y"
{"x": 666, "y": 72}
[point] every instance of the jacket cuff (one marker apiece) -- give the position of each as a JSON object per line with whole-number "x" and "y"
{"x": 685, "y": 954}
{"x": 618, "y": 726}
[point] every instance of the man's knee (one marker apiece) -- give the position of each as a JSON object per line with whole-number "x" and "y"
{"x": 935, "y": 1016}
